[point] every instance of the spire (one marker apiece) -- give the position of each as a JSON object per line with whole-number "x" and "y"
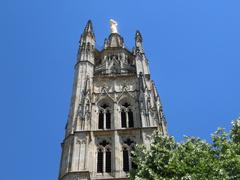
{"x": 88, "y": 32}
{"x": 88, "y": 27}
{"x": 87, "y": 35}
{"x": 87, "y": 44}
{"x": 138, "y": 37}
{"x": 138, "y": 42}
{"x": 141, "y": 60}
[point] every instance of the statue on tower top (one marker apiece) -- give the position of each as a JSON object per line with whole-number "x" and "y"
{"x": 113, "y": 26}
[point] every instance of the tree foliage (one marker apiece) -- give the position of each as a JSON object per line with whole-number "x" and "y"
{"x": 165, "y": 159}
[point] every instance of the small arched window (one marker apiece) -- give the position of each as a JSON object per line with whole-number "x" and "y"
{"x": 108, "y": 160}
{"x": 100, "y": 120}
{"x": 125, "y": 160}
{"x": 108, "y": 119}
{"x": 104, "y": 117}
{"x": 127, "y": 119}
{"x": 123, "y": 118}
{"x": 104, "y": 157}
{"x": 127, "y": 155}
{"x": 130, "y": 118}
{"x": 100, "y": 161}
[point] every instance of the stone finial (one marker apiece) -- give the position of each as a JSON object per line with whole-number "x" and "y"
{"x": 138, "y": 37}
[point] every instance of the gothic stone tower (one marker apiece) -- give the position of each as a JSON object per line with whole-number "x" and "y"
{"x": 114, "y": 106}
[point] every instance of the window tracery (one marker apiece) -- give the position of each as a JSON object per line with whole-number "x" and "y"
{"x": 104, "y": 117}
{"x": 104, "y": 157}
{"x": 128, "y": 146}
{"x": 127, "y": 119}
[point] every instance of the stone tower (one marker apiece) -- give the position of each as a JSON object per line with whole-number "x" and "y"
{"x": 114, "y": 106}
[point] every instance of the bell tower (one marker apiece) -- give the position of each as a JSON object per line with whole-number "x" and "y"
{"x": 114, "y": 106}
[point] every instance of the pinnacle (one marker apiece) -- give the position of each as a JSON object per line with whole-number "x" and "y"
{"x": 138, "y": 36}
{"x": 88, "y": 27}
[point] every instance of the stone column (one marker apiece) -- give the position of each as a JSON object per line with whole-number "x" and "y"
{"x": 104, "y": 119}
{"x": 127, "y": 119}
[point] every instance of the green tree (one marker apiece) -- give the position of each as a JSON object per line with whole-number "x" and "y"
{"x": 165, "y": 159}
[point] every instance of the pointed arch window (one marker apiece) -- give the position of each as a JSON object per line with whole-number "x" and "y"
{"x": 123, "y": 118}
{"x": 127, "y": 119}
{"x": 128, "y": 164}
{"x": 130, "y": 118}
{"x": 100, "y": 161}
{"x": 125, "y": 160}
{"x": 108, "y": 119}
{"x": 104, "y": 157}
{"x": 104, "y": 117}
{"x": 108, "y": 161}
{"x": 100, "y": 120}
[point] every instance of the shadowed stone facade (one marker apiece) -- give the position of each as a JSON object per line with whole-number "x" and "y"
{"x": 114, "y": 106}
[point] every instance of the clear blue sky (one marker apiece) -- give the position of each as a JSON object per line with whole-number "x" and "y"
{"x": 193, "y": 48}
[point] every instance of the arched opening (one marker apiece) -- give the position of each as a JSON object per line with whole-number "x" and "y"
{"x": 104, "y": 117}
{"x": 108, "y": 119}
{"x": 104, "y": 157}
{"x": 100, "y": 120}
{"x": 125, "y": 160}
{"x": 108, "y": 160}
{"x": 128, "y": 164}
{"x": 130, "y": 118}
{"x": 123, "y": 119}
{"x": 127, "y": 119}
{"x": 100, "y": 161}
